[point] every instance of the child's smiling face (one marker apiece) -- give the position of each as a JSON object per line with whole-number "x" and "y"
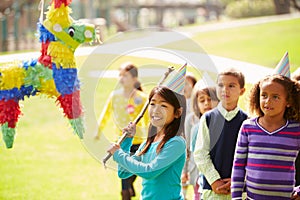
{"x": 161, "y": 112}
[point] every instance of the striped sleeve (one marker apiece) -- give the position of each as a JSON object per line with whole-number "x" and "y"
{"x": 239, "y": 165}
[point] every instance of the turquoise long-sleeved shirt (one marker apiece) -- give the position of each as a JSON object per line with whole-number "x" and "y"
{"x": 160, "y": 172}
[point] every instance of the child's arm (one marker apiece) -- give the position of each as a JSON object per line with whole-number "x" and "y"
{"x": 124, "y": 149}
{"x": 123, "y": 172}
{"x": 202, "y": 155}
{"x": 187, "y": 131}
{"x": 239, "y": 165}
{"x": 170, "y": 153}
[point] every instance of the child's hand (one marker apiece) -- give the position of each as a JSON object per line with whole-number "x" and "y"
{"x": 216, "y": 185}
{"x": 184, "y": 177}
{"x": 114, "y": 147}
{"x": 295, "y": 197}
{"x": 188, "y": 155}
{"x": 226, "y": 187}
{"x": 131, "y": 129}
{"x": 221, "y": 186}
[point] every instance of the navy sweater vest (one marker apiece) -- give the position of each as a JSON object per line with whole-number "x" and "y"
{"x": 223, "y": 137}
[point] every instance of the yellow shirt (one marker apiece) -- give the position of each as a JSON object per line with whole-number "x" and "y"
{"x": 121, "y": 111}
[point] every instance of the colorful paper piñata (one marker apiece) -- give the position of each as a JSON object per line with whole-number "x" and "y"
{"x": 54, "y": 73}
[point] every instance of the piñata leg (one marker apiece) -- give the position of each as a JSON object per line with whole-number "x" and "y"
{"x": 73, "y": 111}
{"x": 9, "y": 114}
{"x": 67, "y": 84}
{"x": 12, "y": 90}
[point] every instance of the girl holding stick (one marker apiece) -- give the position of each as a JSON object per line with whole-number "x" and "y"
{"x": 160, "y": 159}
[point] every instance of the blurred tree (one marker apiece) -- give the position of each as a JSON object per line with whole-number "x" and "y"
{"x": 226, "y": 2}
{"x": 282, "y": 6}
{"x": 296, "y": 4}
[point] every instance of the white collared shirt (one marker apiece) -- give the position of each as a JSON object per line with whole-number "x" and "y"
{"x": 202, "y": 148}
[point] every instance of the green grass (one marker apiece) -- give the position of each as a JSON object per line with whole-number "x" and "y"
{"x": 262, "y": 44}
{"x": 49, "y": 162}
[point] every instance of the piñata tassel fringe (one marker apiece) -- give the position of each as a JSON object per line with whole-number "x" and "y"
{"x": 78, "y": 126}
{"x": 8, "y": 135}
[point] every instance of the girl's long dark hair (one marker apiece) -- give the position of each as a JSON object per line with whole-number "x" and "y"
{"x": 176, "y": 127}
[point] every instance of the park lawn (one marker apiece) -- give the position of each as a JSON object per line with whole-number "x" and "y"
{"x": 49, "y": 162}
{"x": 262, "y": 44}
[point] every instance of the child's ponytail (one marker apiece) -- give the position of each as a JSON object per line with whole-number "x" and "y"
{"x": 138, "y": 86}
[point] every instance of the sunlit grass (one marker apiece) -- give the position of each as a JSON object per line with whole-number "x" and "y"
{"x": 262, "y": 44}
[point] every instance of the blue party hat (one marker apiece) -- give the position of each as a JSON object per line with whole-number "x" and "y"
{"x": 283, "y": 67}
{"x": 176, "y": 80}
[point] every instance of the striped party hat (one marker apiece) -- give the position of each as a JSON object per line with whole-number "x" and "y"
{"x": 283, "y": 67}
{"x": 176, "y": 79}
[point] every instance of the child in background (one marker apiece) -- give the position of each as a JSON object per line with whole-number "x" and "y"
{"x": 123, "y": 106}
{"x": 159, "y": 160}
{"x": 268, "y": 144}
{"x": 296, "y": 196}
{"x": 202, "y": 100}
{"x": 296, "y": 77}
{"x": 190, "y": 82}
{"x": 217, "y": 135}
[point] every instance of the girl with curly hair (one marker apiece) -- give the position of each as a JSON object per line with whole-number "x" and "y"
{"x": 267, "y": 146}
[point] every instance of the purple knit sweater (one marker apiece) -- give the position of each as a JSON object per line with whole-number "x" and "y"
{"x": 264, "y": 162}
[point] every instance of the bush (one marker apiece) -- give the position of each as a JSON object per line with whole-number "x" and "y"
{"x": 250, "y": 8}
